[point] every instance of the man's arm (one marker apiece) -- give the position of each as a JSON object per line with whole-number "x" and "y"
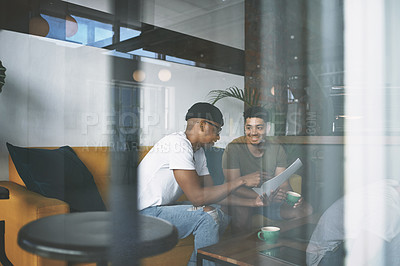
{"x": 244, "y": 192}
{"x": 232, "y": 174}
{"x": 199, "y": 195}
{"x": 282, "y": 189}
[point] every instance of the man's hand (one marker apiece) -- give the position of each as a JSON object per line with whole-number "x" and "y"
{"x": 298, "y": 203}
{"x": 264, "y": 200}
{"x": 254, "y": 179}
{"x": 265, "y": 177}
{"x": 279, "y": 196}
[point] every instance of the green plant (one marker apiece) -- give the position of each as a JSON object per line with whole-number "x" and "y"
{"x": 251, "y": 98}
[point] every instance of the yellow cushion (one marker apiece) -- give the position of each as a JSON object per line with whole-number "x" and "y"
{"x": 295, "y": 183}
{"x": 97, "y": 159}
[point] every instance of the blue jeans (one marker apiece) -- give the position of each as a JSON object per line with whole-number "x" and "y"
{"x": 205, "y": 226}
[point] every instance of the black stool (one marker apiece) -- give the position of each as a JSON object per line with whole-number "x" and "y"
{"x": 4, "y": 194}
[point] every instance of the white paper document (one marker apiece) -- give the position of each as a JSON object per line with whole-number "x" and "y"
{"x": 275, "y": 182}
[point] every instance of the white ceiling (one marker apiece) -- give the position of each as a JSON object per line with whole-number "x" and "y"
{"x": 214, "y": 20}
{"x": 220, "y": 21}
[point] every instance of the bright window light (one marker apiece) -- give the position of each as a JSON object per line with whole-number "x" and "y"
{"x": 127, "y": 33}
{"x": 180, "y": 60}
{"x": 141, "y": 52}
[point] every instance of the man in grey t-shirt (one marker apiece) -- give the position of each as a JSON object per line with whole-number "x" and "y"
{"x": 252, "y": 155}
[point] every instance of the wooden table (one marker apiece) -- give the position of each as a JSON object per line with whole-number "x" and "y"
{"x": 86, "y": 237}
{"x": 244, "y": 250}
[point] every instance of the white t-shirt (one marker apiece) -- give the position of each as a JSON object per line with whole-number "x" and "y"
{"x": 156, "y": 181}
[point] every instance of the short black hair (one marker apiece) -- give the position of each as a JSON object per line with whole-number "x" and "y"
{"x": 256, "y": 111}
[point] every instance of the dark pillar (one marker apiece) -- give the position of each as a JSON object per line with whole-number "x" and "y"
{"x": 265, "y": 65}
{"x": 124, "y": 155}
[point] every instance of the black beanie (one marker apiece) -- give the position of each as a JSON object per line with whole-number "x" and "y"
{"x": 206, "y": 111}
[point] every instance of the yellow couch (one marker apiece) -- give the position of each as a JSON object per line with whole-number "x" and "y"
{"x": 25, "y": 206}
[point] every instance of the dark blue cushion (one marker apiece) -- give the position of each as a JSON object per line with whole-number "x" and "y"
{"x": 214, "y": 163}
{"x": 57, "y": 173}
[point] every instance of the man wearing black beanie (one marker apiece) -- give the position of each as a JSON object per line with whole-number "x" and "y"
{"x": 176, "y": 165}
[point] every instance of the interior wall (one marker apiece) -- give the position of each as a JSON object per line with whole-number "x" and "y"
{"x": 186, "y": 86}
{"x": 392, "y": 78}
{"x": 58, "y": 93}
{"x": 50, "y": 93}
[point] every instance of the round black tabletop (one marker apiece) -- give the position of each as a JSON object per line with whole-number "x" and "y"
{"x": 86, "y": 236}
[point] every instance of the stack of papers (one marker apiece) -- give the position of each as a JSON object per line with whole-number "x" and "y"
{"x": 274, "y": 183}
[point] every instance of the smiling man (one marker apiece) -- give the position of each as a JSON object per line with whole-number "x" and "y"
{"x": 176, "y": 165}
{"x": 252, "y": 156}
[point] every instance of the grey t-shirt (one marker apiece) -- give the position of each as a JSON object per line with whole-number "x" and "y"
{"x": 238, "y": 156}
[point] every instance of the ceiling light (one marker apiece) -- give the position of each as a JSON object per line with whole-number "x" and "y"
{"x": 164, "y": 75}
{"x": 71, "y": 26}
{"x": 139, "y": 75}
{"x": 38, "y": 26}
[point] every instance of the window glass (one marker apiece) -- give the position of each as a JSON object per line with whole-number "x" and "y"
{"x": 127, "y": 33}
